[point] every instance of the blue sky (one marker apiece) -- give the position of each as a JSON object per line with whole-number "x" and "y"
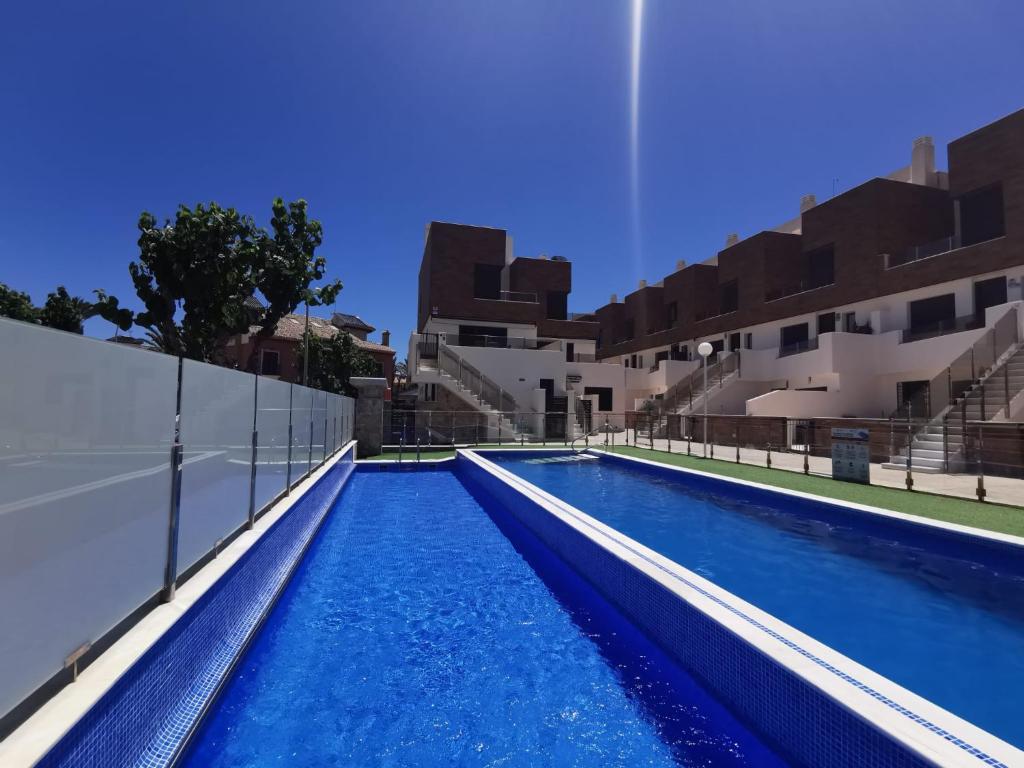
{"x": 385, "y": 115}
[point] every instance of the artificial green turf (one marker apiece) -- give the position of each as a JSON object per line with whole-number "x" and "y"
{"x": 993, "y": 517}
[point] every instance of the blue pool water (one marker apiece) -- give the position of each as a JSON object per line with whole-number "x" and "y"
{"x": 948, "y": 629}
{"x": 422, "y": 629}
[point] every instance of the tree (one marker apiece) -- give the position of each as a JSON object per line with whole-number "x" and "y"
{"x": 17, "y": 305}
{"x": 65, "y": 312}
{"x": 333, "y": 361}
{"x": 204, "y": 265}
{"x": 62, "y": 310}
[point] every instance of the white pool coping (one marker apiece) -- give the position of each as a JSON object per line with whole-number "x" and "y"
{"x": 728, "y": 610}
{"x": 34, "y": 738}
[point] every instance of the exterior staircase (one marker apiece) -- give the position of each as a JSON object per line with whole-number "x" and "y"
{"x": 940, "y": 445}
{"x": 480, "y": 393}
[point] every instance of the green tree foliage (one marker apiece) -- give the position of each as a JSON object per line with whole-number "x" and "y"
{"x": 205, "y": 264}
{"x": 333, "y": 361}
{"x": 17, "y": 305}
{"x": 62, "y": 310}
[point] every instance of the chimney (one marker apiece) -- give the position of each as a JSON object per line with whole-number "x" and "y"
{"x": 731, "y": 239}
{"x": 807, "y": 202}
{"x": 922, "y": 161}
{"x": 385, "y": 338}
{"x": 680, "y": 264}
{"x": 642, "y": 285}
{"x": 614, "y": 299}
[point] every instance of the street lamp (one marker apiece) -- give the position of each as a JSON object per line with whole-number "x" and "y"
{"x": 704, "y": 350}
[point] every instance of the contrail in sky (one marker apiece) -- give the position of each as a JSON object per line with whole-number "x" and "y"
{"x": 634, "y": 131}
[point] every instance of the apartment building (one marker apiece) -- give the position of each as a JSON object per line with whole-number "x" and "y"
{"x": 852, "y": 308}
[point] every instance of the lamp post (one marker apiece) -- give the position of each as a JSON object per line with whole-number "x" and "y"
{"x": 704, "y": 350}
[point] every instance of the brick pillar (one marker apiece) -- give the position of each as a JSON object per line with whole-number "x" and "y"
{"x": 369, "y": 414}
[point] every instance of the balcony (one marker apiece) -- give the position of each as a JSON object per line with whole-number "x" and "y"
{"x": 797, "y": 347}
{"x": 942, "y": 327}
{"x": 919, "y": 252}
{"x": 519, "y": 297}
{"x": 499, "y": 342}
{"x": 795, "y": 289}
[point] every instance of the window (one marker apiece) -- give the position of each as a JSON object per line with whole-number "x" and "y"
{"x": 680, "y": 352}
{"x": 936, "y": 313}
{"x": 640, "y": 361}
{"x": 604, "y": 396}
{"x": 570, "y": 352}
{"x": 487, "y": 281}
{"x": 632, "y": 361}
{"x": 748, "y": 341}
{"x": 821, "y": 266}
{"x": 826, "y": 323}
{"x": 625, "y": 362}
{"x": 734, "y": 341}
{"x": 850, "y": 322}
{"x": 981, "y": 215}
{"x": 673, "y": 314}
{"x": 988, "y": 293}
{"x": 557, "y": 305}
{"x": 793, "y": 336}
{"x": 270, "y": 362}
{"x": 429, "y": 393}
{"x": 728, "y": 297}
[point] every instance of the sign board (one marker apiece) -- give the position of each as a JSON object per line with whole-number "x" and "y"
{"x": 851, "y": 455}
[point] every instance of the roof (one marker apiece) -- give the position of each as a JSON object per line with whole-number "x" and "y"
{"x": 343, "y": 320}
{"x": 292, "y": 327}
{"x": 251, "y": 302}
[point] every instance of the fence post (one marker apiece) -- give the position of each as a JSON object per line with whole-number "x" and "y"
{"x": 1006, "y": 390}
{"x": 309, "y": 465}
{"x": 768, "y": 457}
{"x": 736, "y": 437}
{"x": 981, "y": 463}
{"x": 982, "y": 402}
{"x": 325, "y": 439}
{"x": 288, "y": 469}
{"x": 417, "y": 450}
{"x": 910, "y": 453}
{"x": 174, "y": 516}
{"x": 650, "y": 429}
{"x": 807, "y": 449}
{"x": 252, "y": 463}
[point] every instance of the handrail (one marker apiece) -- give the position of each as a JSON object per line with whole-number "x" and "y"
{"x": 474, "y": 380}
{"x": 693, "y": 385}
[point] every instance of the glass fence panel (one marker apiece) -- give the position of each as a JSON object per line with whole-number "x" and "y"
{"x": 216, "y": 431}
{"x": 302, "y": 404}
{"x": 273, "y": 399}
{"x": 348, "y": 419}
{"x": 319, "y": 426}
{"x": 85, "y": 442}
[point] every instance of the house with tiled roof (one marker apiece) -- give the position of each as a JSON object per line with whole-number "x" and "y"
{"x": 280, "y": 354}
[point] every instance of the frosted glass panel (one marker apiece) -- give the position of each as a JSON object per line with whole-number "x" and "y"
{"x": 273, "y": 398}
{"x": 85, "y": 434}
{"x": 319, "y": 426}
{"x": 216, "y": 431}
{"x": 302, "y": 403}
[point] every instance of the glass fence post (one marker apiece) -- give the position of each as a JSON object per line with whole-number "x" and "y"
{"x": 255, "y": 443}
{"x": 981, "y": 463}
{"x": 309, "y": 463}
{"x": 174, "y": 517}
{"x": 288, "y": 469}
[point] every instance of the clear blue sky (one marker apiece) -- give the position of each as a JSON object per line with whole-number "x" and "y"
{"x": 385, "y": 115}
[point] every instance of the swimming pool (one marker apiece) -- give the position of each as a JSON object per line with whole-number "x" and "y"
{"x": 427, "y": 627}
{"x": 934, "y": 613}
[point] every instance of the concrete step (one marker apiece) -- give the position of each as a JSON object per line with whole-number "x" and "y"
{"x": 915, "y": 466}
{"x": 921, "y": 452}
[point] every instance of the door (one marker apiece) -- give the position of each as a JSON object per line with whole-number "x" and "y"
{"x": 570, "y": 352}
{"x": 988, "y": 293}
{"x": 936, "y": 314}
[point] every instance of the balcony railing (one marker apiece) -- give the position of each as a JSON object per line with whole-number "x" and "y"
{"x": 583, "y": 357}
{"x": 919, "y": 252}
{"x": 796, "y": 347}
{"x": 522, "y": 297}
{"x": 794, "y": 289}
{"x": 499, "y": 342}
{"x": 942, "y": 327}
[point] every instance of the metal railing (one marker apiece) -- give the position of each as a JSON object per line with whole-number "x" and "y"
{"x": 794, "y": 289}
{"x": 523, "y": 297}
{"x": 473, "y": 381}
{"x": 925, "y": 251}
{"x": 690, "y": 388}
{"x": 955, "y": 380}
{"x": 942, "y": 327}
{"x": 499, "y": 342}
{"x": 796, "y": 347}
{"x": 779, "y": 443}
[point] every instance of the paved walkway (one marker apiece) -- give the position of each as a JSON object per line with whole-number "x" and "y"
{"x": 998, "y": 489}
